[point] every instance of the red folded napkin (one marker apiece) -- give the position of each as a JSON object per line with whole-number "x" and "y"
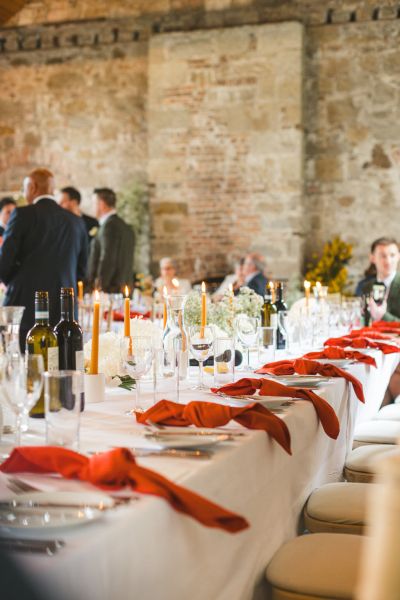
{"x": 334, "y": 352}
{"x": 117, "y": 469}
{"x": 267, "y": 387}
{"x": 362, "y": 343}
{"x": 302, "y": 366}
{"x": 368, "y": 332}
{"x": 209, "y": 414}
{"x": 387, "y": 326}
{"x": 119, "y": 316}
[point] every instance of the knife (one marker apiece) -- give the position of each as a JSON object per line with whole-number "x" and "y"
{"x": 48, "y": 547}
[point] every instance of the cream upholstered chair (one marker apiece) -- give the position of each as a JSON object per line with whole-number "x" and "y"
{"x": 337, "y": 508}
{"x": 319, "y": 566}
{"x": 376, "y": 432}
{"x": 390, "y": 412}
{"x": 360, "y": 464}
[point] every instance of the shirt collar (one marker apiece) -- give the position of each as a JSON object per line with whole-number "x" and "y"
{"x": 104, "y": 218}
{"x": 36, "y": 200}
{"x": 389, "y": 280}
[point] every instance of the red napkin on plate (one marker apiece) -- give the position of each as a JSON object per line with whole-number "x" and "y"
{"x": 117, "y": 469}
{"x": 267, "y": 387}
{"x": 368, "y": 332}
{"x": 334, "y": 352}
{"x": 209, "y": 414}
{"x": 302, "y": 366}
{"x": 362, "y": 343}
{"x": 387, "y": 326}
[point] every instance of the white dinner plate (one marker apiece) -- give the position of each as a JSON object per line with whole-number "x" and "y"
{"x": 51, "y": 512}
{"x": 337, "y": 362}
{"x": 267, "y": 401}
{"x": 301, "y": 380}
{"x": 180, "y": 440}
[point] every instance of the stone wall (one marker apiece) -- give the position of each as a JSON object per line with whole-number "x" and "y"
{"x": 95, "y": 131}
{"x": 225, "y": 146}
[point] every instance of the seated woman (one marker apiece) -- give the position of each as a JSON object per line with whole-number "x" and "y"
{"x": 169, "y": 279}
{"x": 236, "y": 279}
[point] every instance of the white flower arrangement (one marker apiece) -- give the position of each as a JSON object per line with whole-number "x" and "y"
{"x": 109, "y": 351}
{"x": 223, "y": 313}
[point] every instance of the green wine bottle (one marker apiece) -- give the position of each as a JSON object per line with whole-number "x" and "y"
{"x": 269, "y": 313}
{"x": 41, "y": 339}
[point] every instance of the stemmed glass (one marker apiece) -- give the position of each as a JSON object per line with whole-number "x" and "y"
{"x": 201, "y": 343}
{"x": 288, "y": 328}
{"x": 22, "y": 385}
{"x": 137, "y": 357}
{"x": 247, "y": 331}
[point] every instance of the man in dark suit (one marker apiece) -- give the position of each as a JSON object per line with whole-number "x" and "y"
{"x": 44, "y": 248}
{"x": 111, "y": 252}
{"x": 253, "y": 268}
{"x": 70, "y": 199}
{"x": 7, "y": 205}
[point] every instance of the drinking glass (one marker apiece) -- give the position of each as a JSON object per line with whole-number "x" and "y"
{"x": 137, "y": 358}
{"x": 289, "y": 328}
{"x": 63, "y": 398}
{"x": 201, "y": 342}
{"x": 224, "y": 360}
{"x": 22, "y": 386}
{"x": 247, "y": 331}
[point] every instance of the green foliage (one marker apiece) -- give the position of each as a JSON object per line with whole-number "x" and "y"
{"x": 330, "y": 269}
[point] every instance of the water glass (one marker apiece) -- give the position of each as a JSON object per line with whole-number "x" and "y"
{"x": 22, "y": 385}
{"x": 201, "y": 343}
{"x": 224, "y": 360}
{"x": 266, "y": 344}
{"x": 247, "y": 330}
{"x": 63, "y": 398}
{"x": 137, "y": 358}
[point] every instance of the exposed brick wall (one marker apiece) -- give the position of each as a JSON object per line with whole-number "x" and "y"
{"x": 95, "y": 131}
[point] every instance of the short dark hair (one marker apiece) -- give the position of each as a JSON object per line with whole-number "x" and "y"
{"x": 383, "y": 241}
{"x": 73, "y": 193}
{"x": 6, "y": 201}
{"x": 107, "y": 195}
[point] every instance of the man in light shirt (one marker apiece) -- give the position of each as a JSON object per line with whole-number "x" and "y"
{"x": 111, "y": 251}
{"x": 385, "y": 256}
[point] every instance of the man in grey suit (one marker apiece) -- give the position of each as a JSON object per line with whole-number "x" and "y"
{"x": 111, "y": 251}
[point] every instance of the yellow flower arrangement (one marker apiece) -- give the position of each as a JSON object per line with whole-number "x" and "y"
{"x": 330, "y": 269}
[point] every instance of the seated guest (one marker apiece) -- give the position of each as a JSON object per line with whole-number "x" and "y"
{"x": 253, "y": 271}
{"x": 167, "y": 275}
{"x": 7, "y": 205}
{"x": 235, "y": 279}
{"x": 385, "y": 257}
{"x": 70, "y": 199}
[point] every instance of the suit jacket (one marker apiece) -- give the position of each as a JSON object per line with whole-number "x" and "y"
{"x": 45, "y": 248}
{"x": 393, "y": 299}
{"x": 258, "y": 284}
{"x": 111, "y": 256}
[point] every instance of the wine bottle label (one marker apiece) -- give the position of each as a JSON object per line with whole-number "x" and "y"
{"x": 41, "y": 314}
{"x": 79, "y": 361}
{"x": 274, "y": 321}
{"x": 52, "y": 359}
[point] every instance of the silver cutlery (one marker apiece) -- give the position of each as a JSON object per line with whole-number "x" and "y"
{"x": 160, "y": 432}
{"x": 49, "y": 547}
{"x": 172, "y": 453}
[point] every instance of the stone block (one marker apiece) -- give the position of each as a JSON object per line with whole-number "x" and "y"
{"x": 328, "y": 168}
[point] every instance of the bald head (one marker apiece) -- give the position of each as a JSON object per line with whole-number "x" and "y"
{"x": 39, "y": 182}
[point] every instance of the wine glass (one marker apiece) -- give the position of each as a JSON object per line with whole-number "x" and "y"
{"x": 288, "y": 326}
{"x": 201, "y": 343}
{"x": 22, "y": 385}
{"x": 247, "y": 331}
{"x": 137, "y": 357}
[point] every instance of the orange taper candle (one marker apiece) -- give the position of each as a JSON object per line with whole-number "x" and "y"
{"x": 165, "y": 293}
{"x": 127, "y": 313}
{"x": 94, "y": 355}
{"x": 80, "y": 291}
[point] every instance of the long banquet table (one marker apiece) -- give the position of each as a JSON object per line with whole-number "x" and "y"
{"x": 147, "y": 550}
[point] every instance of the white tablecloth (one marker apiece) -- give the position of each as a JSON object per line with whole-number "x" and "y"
{"x": 150, "y": 552}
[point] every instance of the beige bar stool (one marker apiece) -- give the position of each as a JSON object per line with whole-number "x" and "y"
{"x": 376, "y": 432}
{"x": 337, "y": 508}
{"x": 321, "y": 566}
{"x": 360, "y": 464}
{"x": 391, "y": 412}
